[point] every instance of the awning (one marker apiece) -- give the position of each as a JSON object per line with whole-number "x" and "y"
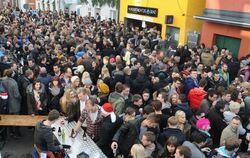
{"x": 241, "y": 19}
{"x": 224, "y": 21}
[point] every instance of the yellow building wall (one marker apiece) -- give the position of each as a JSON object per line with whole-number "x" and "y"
{"x": 183, "y": 16}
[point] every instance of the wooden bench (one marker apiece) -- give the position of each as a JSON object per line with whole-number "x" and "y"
{"x": 20, "y": 120}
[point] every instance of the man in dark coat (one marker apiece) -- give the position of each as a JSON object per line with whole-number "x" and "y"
{"x": 14, "y": 97}
{"x": 131, "y": 133}
{"x": 43, "y": 135}
{"x": 191, "y": 81}
{"x": 141, "y": 82}
{"x": 215, "y": 116}
{"x": 172, "y": 130}
{"x": 23, "y": 82}
{"x": 110, "y": 125}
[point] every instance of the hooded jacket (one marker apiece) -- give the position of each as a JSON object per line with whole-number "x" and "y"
{"x": 43, "y": 138}
{"x": 222, "y": 153}
{"x": 195, "y": 96}
{"x": 118, "y": 102}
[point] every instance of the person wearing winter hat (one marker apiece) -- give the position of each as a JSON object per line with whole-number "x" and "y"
{"x": 111, "y": 123}
{"x": 75, "y": 81}
{"x": 203, "y": 127}
{"x": 103, "y": 88}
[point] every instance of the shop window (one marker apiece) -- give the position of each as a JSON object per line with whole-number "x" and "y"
{"x": 172, "y": 36}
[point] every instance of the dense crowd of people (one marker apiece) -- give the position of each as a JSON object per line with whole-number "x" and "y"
{"x": 134, "y": 98}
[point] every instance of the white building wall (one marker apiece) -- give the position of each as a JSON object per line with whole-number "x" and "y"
{"x": 105, "y": 11}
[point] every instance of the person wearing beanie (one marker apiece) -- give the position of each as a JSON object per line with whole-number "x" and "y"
{"x": 103, "y": 88}
{"x": 203, "y": 127}
{"x": 234, "y": 109}
{"x": 111, "y": 123}
{"x": 103, "y": 93}
{"x": 74, "y": 83}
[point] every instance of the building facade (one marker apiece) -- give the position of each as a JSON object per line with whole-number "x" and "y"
{"x": 227, "y": 24}
{"x": 173, "y": 18}
{"x": 81, "y": 9}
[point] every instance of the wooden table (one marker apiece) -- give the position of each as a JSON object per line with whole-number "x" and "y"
{"x": 20, "y": 120}
{"x": 78, "y": 145}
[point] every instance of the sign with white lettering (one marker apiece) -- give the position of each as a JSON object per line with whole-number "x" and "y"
{"x": 143, "y": 11}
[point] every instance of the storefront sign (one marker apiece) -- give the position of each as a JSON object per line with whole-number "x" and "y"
{"x": 143, "y": 11}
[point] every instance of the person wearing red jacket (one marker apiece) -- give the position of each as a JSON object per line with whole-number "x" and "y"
{"x": 196, "y": 95}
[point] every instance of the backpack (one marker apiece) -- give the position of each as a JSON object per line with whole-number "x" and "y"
{"x": 3, "y": 99}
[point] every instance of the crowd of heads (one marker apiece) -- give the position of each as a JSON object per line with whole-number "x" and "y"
{"x": 58, "y": 60}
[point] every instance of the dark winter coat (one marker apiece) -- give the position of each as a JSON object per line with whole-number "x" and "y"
{"x": 139, "y": 84}
{"x": 43, "y": 138}
{"x": 128, "y": 135}
{"x": 171, "y": 132}
{"x": 217, "y": 124}
{"x": 14, "y": 97}
{"x": 31, "y": 101}
{"x": 107, "y": 131}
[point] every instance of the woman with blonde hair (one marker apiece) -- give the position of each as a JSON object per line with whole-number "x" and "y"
{"x": 69, "y": 105}
{"x": 183, "y": 125}
{"x": 138, "y": 151}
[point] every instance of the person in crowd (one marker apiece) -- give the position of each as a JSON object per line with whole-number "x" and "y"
{"x": 207, "y": 58}
{"x": 146, "y": 97}
{"x": 43, "y": 135}
{"x": 83, "y": 95}
{"x": 44, "y": 77}
{"x": 130, "y": 133}
{"x": 191, "y": 81}
{"x": 69, "y": 105}
{"x": 209, "y": 101}
{"x": 129, "y": 115}
{"x": 117, "y": 100}
{"x": 196, "y": 95}
{"x": 137, "y": 103}
{"x": 156, "y": 104}
{"x": 234, "y": 109}
{"x": 36, "y": 98}
{"x": 183, "y": 125}
{"x": 217, "y": 122}
{"x": 14, "y": 98}
{"x": 172, "y": 130}
{"x": 183, "y": 152}
{"x": 74, "y": 83}
{"x": 65, "y": 81}
{"x": 103, "y": 94}
{"x": 224, "y": 74}
{"x": 23, "y": 82}
{"x": 196, "y": 146}
{"x": 55, "y": 92}
{"x": 166, "y": 106}
{"x": 111, "y": 123}
{"x": 230, "y": 148}
{"x": 216, "y": 80}
{"x": 147, "y": 142}
{"x": 93, "y": 118}
{"x": 127, "y": 95}
{"x": 169, "y": 148}
{"x": 231, "y": 131}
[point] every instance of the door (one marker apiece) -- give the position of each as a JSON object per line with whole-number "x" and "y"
{"x": 231, "y": 43}
{"x": 172, "y": 36}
